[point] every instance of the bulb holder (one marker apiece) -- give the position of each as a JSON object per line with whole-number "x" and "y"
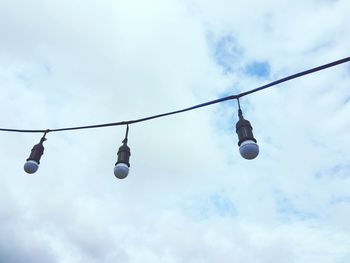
{"x": 122, "y": 165}
{"x": 124, "y": 154}
{"x": 244, "y": 130}
{"x": 248, "y": 146}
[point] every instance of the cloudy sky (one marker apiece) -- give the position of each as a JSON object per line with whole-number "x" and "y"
{"x": 189, "y": 196}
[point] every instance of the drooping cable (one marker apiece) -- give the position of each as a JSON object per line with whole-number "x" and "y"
{"x": 205, "y": 104}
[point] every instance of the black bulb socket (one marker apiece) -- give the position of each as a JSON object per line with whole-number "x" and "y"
{"x": 37, "y": 151}
{"x": 124, "y": 154}
{"x": 244, "y": 129}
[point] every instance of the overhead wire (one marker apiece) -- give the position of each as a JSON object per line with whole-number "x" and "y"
{"x": 201, "y": 105}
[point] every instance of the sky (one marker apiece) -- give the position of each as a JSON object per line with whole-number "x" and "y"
{"x": 189, "y": 196}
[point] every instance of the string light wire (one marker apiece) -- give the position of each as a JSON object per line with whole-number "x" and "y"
{"x": 205, "y": 104}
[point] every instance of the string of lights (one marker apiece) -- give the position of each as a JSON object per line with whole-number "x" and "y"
{"x": 248, "y": 146}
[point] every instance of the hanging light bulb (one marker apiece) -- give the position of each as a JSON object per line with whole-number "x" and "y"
{"x": 121, "y": 168}
{"x": 32, "y": 163}
{"x": 248, "y": 147}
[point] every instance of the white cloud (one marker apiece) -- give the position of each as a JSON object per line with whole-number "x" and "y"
{"x": 74, "y": 63}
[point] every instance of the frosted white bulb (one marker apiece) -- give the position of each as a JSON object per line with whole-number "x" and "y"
{"x": 121, "y": 170}
{"x": 249, "y": 149}
{"x": 31, "y": 166}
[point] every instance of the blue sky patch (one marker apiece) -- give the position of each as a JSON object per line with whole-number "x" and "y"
{"x": 228, "y": 53}
{"x": 340, "y": 171}
{"x": 287, "y": 210}
{"x": 340, "y": 199}
{"x": 258, "y": 69}
{"x": 223, "y": 205}
{"x": 204, "y": 207}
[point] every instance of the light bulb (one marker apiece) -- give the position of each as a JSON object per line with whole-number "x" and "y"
{"x": 31, "y": 166}
{"x": 121, "y": 170}
{"x": 246, "y": 141}
{"x": 32, "y": 163}
{"x": 249, "y": 149}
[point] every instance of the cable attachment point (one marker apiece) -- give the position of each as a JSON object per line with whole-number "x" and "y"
{"x": 240, "y": 114}
{"x": 125, "y": 141}
{"x": 44, "y": 136}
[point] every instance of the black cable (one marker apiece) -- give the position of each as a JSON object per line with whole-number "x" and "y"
{"x": 297, "y": 75}
{"x": 239, "y": 103}
{"x": 231, "y": 97}
{"x": 123, "y": 122}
